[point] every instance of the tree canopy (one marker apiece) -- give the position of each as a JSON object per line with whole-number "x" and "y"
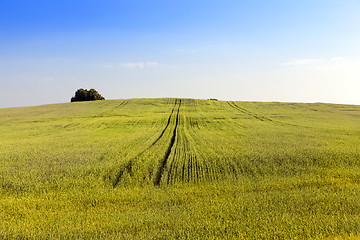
{"x": 86, "y": 95}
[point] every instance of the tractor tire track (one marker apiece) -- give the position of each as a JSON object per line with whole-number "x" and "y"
{"x": 122, "y": 104}
{"x": 245, "y": 111}
{"x": 128, "y": 165}
{"x": 163, "y": 162}
{"x": 102, "y": 114}
{"x": 262, "y": 118}
{"x": 172, "y": 168}
{"x": 167, "y": 125}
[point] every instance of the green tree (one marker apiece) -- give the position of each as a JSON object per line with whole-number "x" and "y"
{"x": 86, "y": 95}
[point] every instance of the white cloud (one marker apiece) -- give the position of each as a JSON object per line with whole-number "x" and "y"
{"x": 135, "y": 65}
{"x": 336, "y": 59}
{"x": 311, "y": 61}
{"x": 129, "y": 65}
{"x": 152, "y": 64}
{"x": 302, "y": 62}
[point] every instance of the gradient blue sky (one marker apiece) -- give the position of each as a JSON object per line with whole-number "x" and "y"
{"x": 257, "y": 50}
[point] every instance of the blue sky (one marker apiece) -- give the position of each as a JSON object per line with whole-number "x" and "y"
{"x": 297, "y": 51}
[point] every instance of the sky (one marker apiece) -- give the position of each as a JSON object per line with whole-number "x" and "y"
{"x": 254, "y": 50}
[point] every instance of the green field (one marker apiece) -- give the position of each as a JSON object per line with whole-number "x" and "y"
{"x": 180, "y": 168}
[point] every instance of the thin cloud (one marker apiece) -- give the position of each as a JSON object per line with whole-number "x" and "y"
{"x": 311, "y": 61}
{"x": 298, "y": 62}
{"x": 151, "y": 64}
{"x": 108, "y": 66}
{"x": 46, "y": 80}
{"x": 136, "y": 65}
{"x": 129, "y": 65}
{"x": 337, "y": 59}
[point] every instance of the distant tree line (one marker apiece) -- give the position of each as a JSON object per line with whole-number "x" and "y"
{"x": 86, "y": 95}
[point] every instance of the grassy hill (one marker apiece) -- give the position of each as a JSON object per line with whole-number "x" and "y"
{"x": 180, "y": 168}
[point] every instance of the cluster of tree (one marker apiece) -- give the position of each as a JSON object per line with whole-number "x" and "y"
{"x": 86, "y": 95}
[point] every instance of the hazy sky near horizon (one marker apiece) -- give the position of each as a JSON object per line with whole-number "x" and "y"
{"x": 254, "y": 50}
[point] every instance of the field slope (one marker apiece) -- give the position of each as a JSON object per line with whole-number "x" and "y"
{"x": 180, "y": 168}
